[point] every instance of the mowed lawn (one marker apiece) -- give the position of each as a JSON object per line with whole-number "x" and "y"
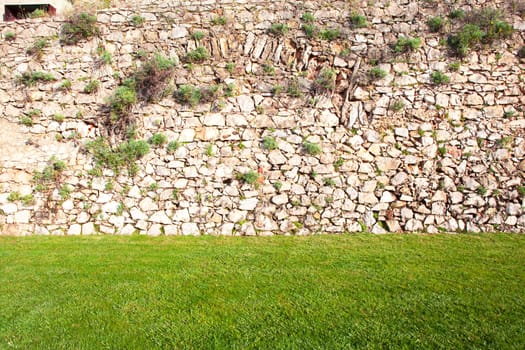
{"x": 320, "y": 292}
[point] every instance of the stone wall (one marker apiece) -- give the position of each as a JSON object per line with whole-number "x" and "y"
{"x": 396, "y": 154}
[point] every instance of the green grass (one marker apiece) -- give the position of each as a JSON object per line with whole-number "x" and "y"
{"x": 321, "y": 292}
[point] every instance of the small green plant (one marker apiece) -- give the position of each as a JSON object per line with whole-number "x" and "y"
{"x": 188, "y": 94}
{"x": 123, "y": 155}
{"x": 37, "y": 49}
{"x": 377, "y": 73}
{"x": 199, "y": 55}
{"x": 270, "y": 143}
{"x": 104, "y": 56}
{"x": 277, "y": 89}
{"x": 329, "y": 182}
{"x": 151, "y": 79}
{"x": 406, "y": 45}
{"x": 461, "y": 42}
{"x": 65, "y": 191}
{"x": 230, "y": 90}
{"x": 37, "y": 13}
{"x": 219, "y": 21}
{"x": 14, "y": 196}
{"x": 34, "y": 113}
{"x": 268, "y": 69}
{"x": 397, "y": 105}
{"x": 153, "y": 186}
{"x": 79, "y": 27}
{"x": 325, "y": 80}
{"x": 358, "y": 21}
{"x": 311, "y": 148}
{"x": 457, "y": 14}
{"x": 59, "y": 117}
{"x": 442, "y": 150}
{"x": 438, "y": 78}
{"x": 209, "y": 150}
{"x": 338, "y": 163}
{"x": 521, "y": 190}
{"x": 26, "y": 120}
{"x": 454, "y": 66}
{"x": 435, "y": 24}
{"x": 137, "y": 20}
{"x": 197, "y": 35}
{"x": 278, "y": 29}
{"x": 30, "y": 78}
{"x": 91, "y": 87}
{"x": 9, "y": 36}
{"x": 509, "y": 114}
{"x": 251, "y": 177}
{"x": 481, "y": 190}
{"x": 230, "y": 67}
{"x": 65, "y": 85}
{"x": 308, "y": 17}
{"x": 51, "y": 173}
{"x": 278, "y": 185}
{"x": 121, "y": 102}
{"x": 329, "y": 34}
{"x": 158, "y": 139}
{"x": 294, "y": 88}
{"x": 173, "y": 146}
{"x": 309, "y": 30}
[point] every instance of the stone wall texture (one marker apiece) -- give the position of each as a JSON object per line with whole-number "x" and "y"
{"x": 396, "y": 154}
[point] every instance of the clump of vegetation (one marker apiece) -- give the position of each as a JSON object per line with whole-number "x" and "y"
{"x": 377, "y": 73}
{"x": 439, "y": 78}
{"x": 199, "y": 55}
{"x": 91, "y": 87}
{"x": 38, "y": 13}
{"x": 197, "y": 35}
{"x": 454, "y": 66}
{"x": 436, "y": 24}
{"x": 30, "y": 78}
{"x": 230, "y": 90}
{"x": 10, "y": 36}
{"x": 278, "y": 29}
{"x": 173, "y": 146}
{"x": 325, "y": 80}
{"x": 308, "y": 17}
{"x": 457, "y": 14}
{"x": 104, "y": 56}
{"x": 151, "y": 79}
{"x": 270, "y": 143}
{"x": 294, "y": 88}
{"x": 188, "y": 94}
{"x": 26, "y": 120}
{"x": 482, "y": 26}
{"x": 79, "y": 27}
{"x": 37, "y": 49}
{"x": 309, "y": 30}
{"x": 158, "y": 139}
{"x": 251, "y": 177}
{"x": 219, "y": 21}
{"x": 277, "y": 89}
{"x": 330, "y": 34}
{"x": 59, "y": 118}
{"x": 268, "y": 69}
{"x": 121, "y": 102}
{"x": 123, "y": 156}
{"x": 405, "y": 44}
{"x": 230, "y": 67}
{"x": 311, "y": 148}
{"x": 358, "y": 21}
{"x": 397, "y": 105}
{"x": 137, "y": 20}
{"x": 51, "y": 173}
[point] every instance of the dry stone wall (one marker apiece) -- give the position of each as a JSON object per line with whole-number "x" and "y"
{"x": 387, "y": 155}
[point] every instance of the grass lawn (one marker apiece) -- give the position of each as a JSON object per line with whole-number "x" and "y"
{"x": 321, "y": 292}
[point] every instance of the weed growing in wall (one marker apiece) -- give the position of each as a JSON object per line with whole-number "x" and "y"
{"x": 79, "y": 27}
{"x": 31, "y": 78}
{"x": 358, "y": 21}
{"x": 406, "y": 45}
{"x": 122, "y": 156}
{"x": 37, "y": 49}
{"x": 199, "y": 55}
{"x": 311, "y": 148}
{"x": 438, "y": 78}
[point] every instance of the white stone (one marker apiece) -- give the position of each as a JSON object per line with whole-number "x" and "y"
{"x": 127, "y": 230}
{"x": 83, "y": 217}
{"x": 190, "y": 229}
{"x": 367, "y": 198}
{"x": 387, "y": 197}
{"x": 280, "y": 199}
{"x": 74, "y": 230}
{"x": 160, "y": 217}
{"x": 248, "y": 203}
{"x": 179, "y": 32}
{"x": 246, "y": 103}
{"x": 88, "y": 228}
{"x": 147, "y": 204}
{"x": 155, "y": 230}
{"x": 182, "y": 215}
{"x": 22, "y": 217}
{"x": 104, "y": 198}
{"x": 9, "y": 208}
